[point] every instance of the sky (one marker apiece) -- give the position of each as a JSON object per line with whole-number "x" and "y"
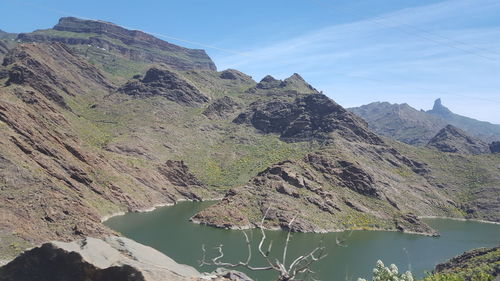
{"x": 355, "y": 51}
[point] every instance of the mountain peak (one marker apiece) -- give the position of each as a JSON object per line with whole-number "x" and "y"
{"x": 453, "y": 139}
{"x": 439, "y": 107}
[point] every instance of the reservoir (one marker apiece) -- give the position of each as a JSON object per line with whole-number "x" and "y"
{"x": 168, "y": 230}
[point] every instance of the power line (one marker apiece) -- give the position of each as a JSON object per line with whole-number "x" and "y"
{"x": 398, "y": 25}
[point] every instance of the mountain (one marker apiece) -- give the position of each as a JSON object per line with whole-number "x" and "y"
{"x": 483, "y": 130}
{"x": 400, "y": 121}
{"x": 452, "y": 139}
{"x": 118, "y": 48}
{"x": 417, "y": 127}
{"x": 91, "y": 131}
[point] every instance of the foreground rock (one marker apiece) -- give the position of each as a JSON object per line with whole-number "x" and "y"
{"x": 452, "y": 139}
{"x": 112, "y": 258}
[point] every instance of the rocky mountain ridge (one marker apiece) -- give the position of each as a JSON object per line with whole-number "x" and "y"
{"x": 134, "y": 45}
{"x": 454, "y": 140}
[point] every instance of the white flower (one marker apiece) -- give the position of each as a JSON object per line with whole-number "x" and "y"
{"x": 394, "y": 269}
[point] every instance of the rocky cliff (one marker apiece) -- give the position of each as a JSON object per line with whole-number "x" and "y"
{"x": 134, "y": 45}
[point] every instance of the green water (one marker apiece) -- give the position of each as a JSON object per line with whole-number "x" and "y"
{"x": 168, "y": 230}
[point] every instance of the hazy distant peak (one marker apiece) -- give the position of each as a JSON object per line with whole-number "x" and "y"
{"x": 439, "y": 107}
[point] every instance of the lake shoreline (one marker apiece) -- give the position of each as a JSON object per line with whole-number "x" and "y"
{"x": 247, "y": 227}
{"x": 154, "y": 207}
{"x": 459, "y": 219}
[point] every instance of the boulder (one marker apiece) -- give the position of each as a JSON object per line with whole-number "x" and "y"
{"x": 112, "y": 258}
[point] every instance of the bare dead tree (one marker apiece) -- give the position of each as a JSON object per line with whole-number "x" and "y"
{"x": 301, "y": 264}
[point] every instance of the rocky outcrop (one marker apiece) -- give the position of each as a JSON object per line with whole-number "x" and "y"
{"x": 495, "y": 147}
{"x": 112, "y": 258}
{"x": 165, "y": 83}
{"x": 410, "y": 223}
{"x": 452, "y": 139}
{"x": 221, "y": 108}
{"x": 130, "y": 44}
{"x": 234, "y": 75}
{"x": 310, "y": 117}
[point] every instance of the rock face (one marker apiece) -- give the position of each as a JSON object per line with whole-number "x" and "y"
{"x": 495, "y": 147}
{"x": 112, "y": 258}
{"x": 131, "y": 44}
{"x": 314, "y": 116}
{"x": 400, "y": 122}
{"x": 221, "y": 108}
{"x": 452, "y": 139}
{"x": 165, "y": 83}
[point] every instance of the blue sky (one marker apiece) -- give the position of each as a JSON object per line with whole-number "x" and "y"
{"x": 355, "y": 51}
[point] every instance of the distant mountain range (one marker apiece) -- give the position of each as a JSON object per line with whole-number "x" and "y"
{"x": 417, "y": 127}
